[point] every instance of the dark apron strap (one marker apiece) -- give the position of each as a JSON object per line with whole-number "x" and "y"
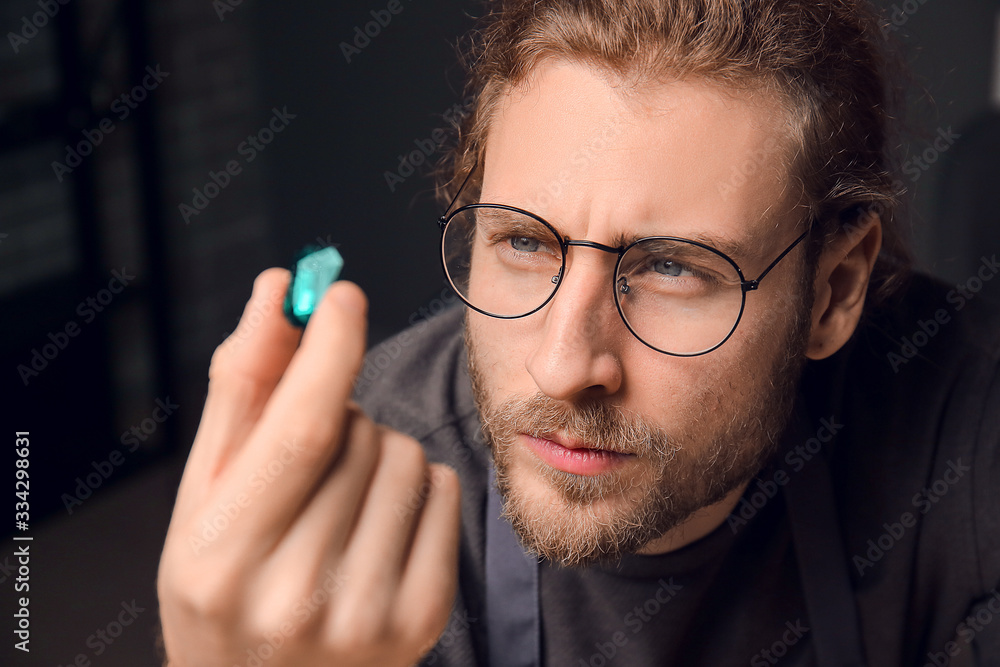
{"x": 826, "y": 584}
{"x": 512, "y": 614}
{"x": 513, "y": 625}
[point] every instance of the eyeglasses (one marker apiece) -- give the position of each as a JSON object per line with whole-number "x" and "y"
{"x": 678, "y": 296}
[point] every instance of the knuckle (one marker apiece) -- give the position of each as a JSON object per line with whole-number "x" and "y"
{"x": 424, "y": 625}
{"x": 202, "y": 594}
{"x": 445, "y": 481}
{"x": 207, "y": 585}
{"x": 308, "y": 441}
{"x": 404, "y": 451}
{"x": 306, "y": 444}
{"x": 443, "y": 490}
{"x": 273, "y": 276}
{"x": 285, "y": 619}
{"x": 227, "y": 367}
{"x": 220, "y": 364}
{"x": 358, "y": 630}
{"x": 362, "y": 438}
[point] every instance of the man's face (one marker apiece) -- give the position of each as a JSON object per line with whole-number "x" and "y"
{"x": 678, "y": 434}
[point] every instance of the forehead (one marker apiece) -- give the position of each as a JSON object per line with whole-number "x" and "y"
{"x": 600, "y": 157}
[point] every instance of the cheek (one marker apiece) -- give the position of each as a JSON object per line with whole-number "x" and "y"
{"x": 688, "y": 396}
{"x": 771, "y": 310}
{"x": 500, "y": 348}
{"x": 673, "y": 392}
{"x": 747, "y": 363}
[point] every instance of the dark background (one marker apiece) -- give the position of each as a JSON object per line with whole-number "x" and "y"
{"x": 321, "y": 180}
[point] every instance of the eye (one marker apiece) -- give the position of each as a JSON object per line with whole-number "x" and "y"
{"x": 525, "y": 243}
{"x": 669, "y": 267}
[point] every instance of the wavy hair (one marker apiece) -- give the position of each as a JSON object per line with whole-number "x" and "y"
{"x": 827, "y": 60}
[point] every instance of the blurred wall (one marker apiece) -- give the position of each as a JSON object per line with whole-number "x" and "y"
{"x": 374, "y": 86}
{"x": 952, "y": 50}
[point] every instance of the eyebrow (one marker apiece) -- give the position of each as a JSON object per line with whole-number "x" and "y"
{"x": 495, "y": 215}
{"x": 734, "y": 248}
{"x": 509, "y": 221}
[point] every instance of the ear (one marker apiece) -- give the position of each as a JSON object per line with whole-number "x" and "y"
{"x": 843, "y": 270}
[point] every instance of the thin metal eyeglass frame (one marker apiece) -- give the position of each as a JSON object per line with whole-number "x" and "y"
{"x": 745, "y": 285}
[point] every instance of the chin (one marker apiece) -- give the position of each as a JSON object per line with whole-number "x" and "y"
{"x": 573, "y": 509}
{"x": 576, "y": 520}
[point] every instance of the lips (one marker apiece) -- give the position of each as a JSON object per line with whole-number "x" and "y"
{"x": 573, "y": 456}
{"x": 568, "y": 443}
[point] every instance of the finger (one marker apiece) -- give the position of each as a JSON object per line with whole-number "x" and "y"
{"x": 319, "y": 535}
{"x": 429, "y": 580}
{"x": 381, "y": 539}
{"x": 301, "y": 428}
{"x": 244, "y": 371}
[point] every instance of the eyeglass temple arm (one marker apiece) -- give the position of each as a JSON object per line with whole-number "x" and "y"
{"x": 751, "y": 285}
{"x": 442, "y": 220}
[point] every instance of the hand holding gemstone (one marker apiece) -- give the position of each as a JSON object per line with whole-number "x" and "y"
{"x": 292, "y": 494}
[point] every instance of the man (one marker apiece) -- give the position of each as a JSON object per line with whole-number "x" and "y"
{"x": 666, "y": 218}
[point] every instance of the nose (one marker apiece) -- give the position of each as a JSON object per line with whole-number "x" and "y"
{"x": 577, "y": 354}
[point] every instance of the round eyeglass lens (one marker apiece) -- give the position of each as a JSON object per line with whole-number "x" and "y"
{"x": 678, "y": 297}
{"x": 501, "y": 262}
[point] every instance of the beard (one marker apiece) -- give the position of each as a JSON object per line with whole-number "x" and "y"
{"x": 721, "y": 446}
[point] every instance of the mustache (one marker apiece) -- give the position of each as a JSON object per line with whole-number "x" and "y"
{"x": 600, "y": 425}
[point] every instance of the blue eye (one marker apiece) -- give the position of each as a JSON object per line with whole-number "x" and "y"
{"x": 669, "y": 267}
{"x": 525, "y": 244}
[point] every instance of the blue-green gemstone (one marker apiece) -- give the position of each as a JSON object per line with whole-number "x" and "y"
{"x": 311, "y": 276}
